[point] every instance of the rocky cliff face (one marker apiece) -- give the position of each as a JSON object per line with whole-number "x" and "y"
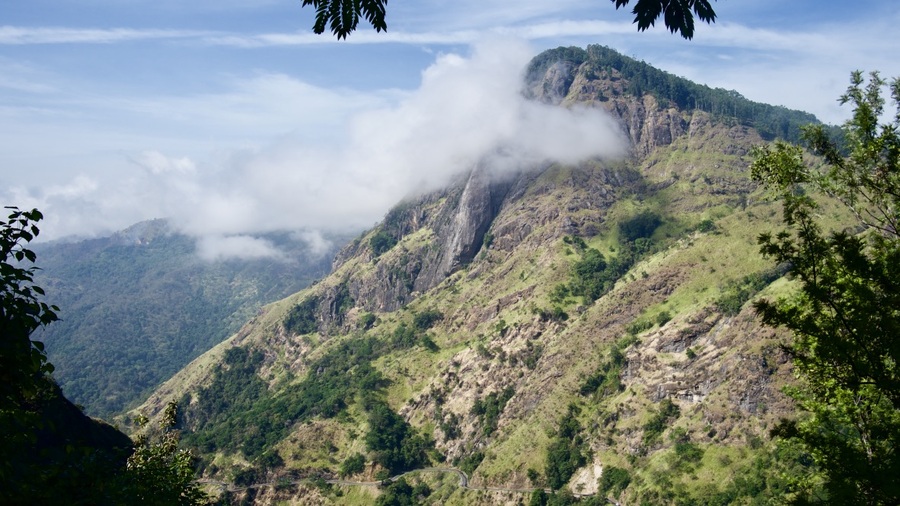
{"x": 450, "y": 226}
{"x": 648, "y": 123}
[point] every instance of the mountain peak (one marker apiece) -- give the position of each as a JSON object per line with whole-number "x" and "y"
{"x": 142, "y": 232}
{"x": 600, "y": 76}
{"x": 523, "y": 326}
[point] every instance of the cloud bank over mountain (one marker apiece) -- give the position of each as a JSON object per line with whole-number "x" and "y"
{"x": 347, "y": 175}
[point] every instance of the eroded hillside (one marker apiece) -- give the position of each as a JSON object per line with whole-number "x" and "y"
{"x": 531, "y": 329}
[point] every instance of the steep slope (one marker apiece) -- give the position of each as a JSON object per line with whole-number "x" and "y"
{"x": 529, "y": 328}
{"x": 139, "y": 305}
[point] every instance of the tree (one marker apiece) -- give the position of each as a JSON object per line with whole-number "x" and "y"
{"x": 159, "y": 472}
{"x": 565, "y": 454}
{"x": 845, "y": 318}
{"x": 51, "y": 452}
{"x": 23, "y": 363}
{"x": 678, "y": 15}
{"x": 342, "y": 16}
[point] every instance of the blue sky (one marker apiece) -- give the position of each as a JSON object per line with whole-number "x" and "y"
{"x": 232, "y": 116}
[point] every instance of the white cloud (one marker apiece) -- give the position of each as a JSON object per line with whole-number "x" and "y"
{"x": 157, "y": 163}
{"x": 240, "y": 246}
{"x": 21, "y": 35}
{"x": 318, "y": 245}
{"x": 527, "y": 31}
{"x": 467, "y": 109}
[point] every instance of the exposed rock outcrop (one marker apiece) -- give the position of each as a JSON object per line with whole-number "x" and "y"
{"x": 451, "y": 227}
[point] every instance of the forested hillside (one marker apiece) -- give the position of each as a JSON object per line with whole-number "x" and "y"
{"x": 640, "y": 78}
{"x": 138, "y": 306}
{"x": 562, "y": 334}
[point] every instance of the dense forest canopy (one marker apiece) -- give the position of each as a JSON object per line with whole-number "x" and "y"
{"x": 139, "y": 305}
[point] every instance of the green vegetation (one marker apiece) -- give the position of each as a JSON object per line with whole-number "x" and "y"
{"x": 394, "y": 443}
{"x": 343, "y": 301}
{"x": 736, "y": 294}
{"x": 367, "y": 320}
{"x": 237, "y": 410}
{"x": 303, "y": 318}
{"x": 614, "y": 480}
{"x": 406, "y": 336}
{"x": 533, "y": 353}
{"x": 139, "y": 305}
{"x": 426, "y": 319}
{"x": 470, "y": 463}
{"x": 159, "y": 471}
{"x": 401, "y": 493}
{"x": 488, "y": 410}
{"x": 50, "y": 452}
{"x": 639, "y": 226}
{"x": 607, "y": 379}
{"x": 381, "y": 242}
{"x": 687, "y": 454}
{"x": 566, "y": 452}
{"x": 771, "y": 121}
{"x": 659, "y": 421}
{"x": 592, "y": 274}
{"x": 353, "y": 464}
{"x": 556, "y": 313}
{"x": 845, "y": 318}
{"x": 707, "y": 226}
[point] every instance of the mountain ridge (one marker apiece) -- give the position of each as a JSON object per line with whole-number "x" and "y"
{"x": 527, "y": 330}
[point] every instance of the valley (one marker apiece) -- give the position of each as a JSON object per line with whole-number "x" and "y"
{"x": 139, "y": 305}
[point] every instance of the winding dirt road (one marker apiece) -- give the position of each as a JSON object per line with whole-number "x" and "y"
{"x": 463, "y": 483}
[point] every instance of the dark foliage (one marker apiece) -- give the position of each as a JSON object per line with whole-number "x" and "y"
{"x": 678, "y": 15}
{"x": 845, "y": 319}
{"x": 566, "y": 452}
{"x": 659, "y": 421}
{"x": 593, "y": 275}
{"x": 395, "y": 444}
{"x": 237, "y": 410}
{"x": 736, "y": 294}
{"x": 367, "y": 320}
{"x": 353, "y": 464}
{"x": 771, "y": 121}
{"x": 381, "y": 242}
{"x": 488, "y": 410}
{"x": 639, "y": 226}
{"x": 343, "y": 301}
{"x": 401, "y": 493}
{"x": 426, "y": 319}
{"x": 342, "y": 16}
{"x": 50, "y": 452}
{"x": 538, "y": 498}
{"x": 303, "y": 318}
{"x": 614, "y": 480}
{"x": 470, "y": 463}
{"x": 607, "y": 379}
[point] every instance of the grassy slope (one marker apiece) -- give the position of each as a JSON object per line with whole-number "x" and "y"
{"x": 722, "y": 371}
